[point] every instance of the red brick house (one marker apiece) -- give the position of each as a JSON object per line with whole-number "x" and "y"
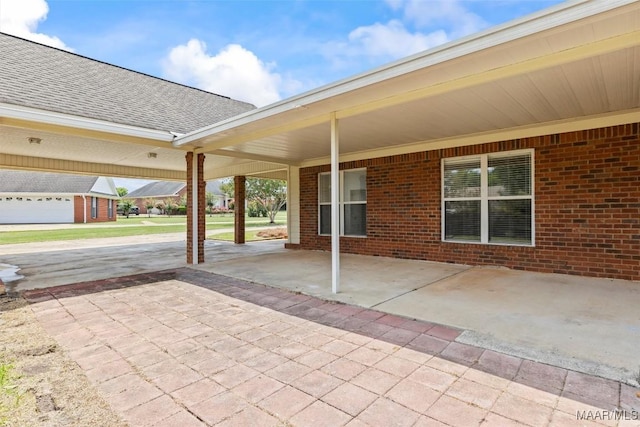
{"x": 159, "y": 191}
{"x": 517, "y": 146}
{"x": 573, "y": 205}
{"x": 47, "y": 198}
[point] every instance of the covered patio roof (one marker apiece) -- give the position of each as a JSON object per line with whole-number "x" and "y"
{"x": 570, "y": 67}
{"x": 574, "y": 66}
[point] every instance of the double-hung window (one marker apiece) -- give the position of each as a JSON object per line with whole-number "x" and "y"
{"x": 489, "y": 198}
{"x": 94, "y": 207}
{"x": 353, "y": 203}
{"x": 110, "y": 208}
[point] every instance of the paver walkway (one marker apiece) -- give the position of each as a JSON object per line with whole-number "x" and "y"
{"x": 190, "y": 348}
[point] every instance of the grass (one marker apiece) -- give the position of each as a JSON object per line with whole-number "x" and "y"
{"x": 249, "y": 236}
{"x": 132, "y": 226}
{"x": 9, "y": 397}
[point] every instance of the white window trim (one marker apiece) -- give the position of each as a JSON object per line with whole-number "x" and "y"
{"x": 484, "y": 198}
{"x": 341, "y": 203}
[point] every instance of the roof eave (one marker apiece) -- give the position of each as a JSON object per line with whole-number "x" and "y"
{"x": 60, "y": 119}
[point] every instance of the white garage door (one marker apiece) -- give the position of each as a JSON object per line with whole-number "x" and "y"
{"x": 36, "y": 210}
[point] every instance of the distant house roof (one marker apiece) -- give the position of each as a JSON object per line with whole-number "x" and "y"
{"x": 43, "y": 77}
{"x": 38, "y": 182}
{"x": 214, "y": 187}
{"x": 157, "y": 189}
{"x": 167, "y": 189}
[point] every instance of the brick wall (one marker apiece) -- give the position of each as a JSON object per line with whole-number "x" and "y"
{"x": 199, "y": 239}
{"x": 587, "y": 206}
{"x": 102, "y": 214}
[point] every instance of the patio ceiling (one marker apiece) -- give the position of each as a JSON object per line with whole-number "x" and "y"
{"x": 571, "y": 67}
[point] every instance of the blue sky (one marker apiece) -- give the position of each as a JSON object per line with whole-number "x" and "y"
{"x": 258, "y": 51}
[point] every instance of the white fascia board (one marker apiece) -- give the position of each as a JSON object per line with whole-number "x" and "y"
{"x": 102, "y": 195}
{"x": 37, "y": 194}
{"x": 547, "y": 19}
{"x": 60, "y": 119}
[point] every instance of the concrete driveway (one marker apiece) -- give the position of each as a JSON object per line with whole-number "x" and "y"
{"x": 583, "y": 324}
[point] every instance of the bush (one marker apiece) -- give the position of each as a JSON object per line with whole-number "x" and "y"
{"x": 254, "y": 210}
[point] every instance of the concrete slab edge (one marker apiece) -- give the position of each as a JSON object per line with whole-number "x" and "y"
{"x": 579, "y": 365}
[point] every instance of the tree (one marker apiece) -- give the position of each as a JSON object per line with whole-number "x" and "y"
{"x": 122, "y": 191}
{"x": 126, "y": 205}
{"x": 269, "y": 194}
{"x": 160, "y": 206}
{"x": 210, "y": 197}
{"x": 149, "y": 204}
{"x": 170, "y": 206}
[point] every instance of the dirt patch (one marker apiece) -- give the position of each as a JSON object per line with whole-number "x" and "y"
{"x": 44, "y": 387}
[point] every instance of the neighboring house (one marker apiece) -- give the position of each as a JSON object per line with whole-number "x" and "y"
{"x": 48, "y": 198}
{"x": 220, "y": 199}
{"x": 160, "y": 191}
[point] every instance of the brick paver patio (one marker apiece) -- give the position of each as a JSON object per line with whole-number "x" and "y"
{"x": 188, "y": 348}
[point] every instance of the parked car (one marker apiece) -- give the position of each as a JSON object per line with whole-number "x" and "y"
{"x": 134, "y": 210}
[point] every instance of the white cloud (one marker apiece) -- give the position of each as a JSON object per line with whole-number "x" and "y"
{"x": 392, "y": 40}
{"x": 372, "y": 45}
{"x": 21, "y": 18}
{"x": 451, "y": 14}
{"x": 234, "y": 71}
{"x": 423, "y": 25}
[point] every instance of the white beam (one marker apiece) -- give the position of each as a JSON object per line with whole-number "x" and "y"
{"x": 43, "y": 164}
{"x": 293, "y": 205}
{"x": 335, "y": 205}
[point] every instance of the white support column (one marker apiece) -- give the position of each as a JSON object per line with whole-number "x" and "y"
{"x": 293, "y": 205}
{"x": 335, "y": 205}
{"x": 194, "y": 210}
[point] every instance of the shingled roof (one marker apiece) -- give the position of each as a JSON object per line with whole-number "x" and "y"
{"x": 43, "y": 77}
{"x": 157, "y": 189}
{"x": 38, "y": 182}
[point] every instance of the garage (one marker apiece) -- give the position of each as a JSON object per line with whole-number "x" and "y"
{"x": 36, "y": 209}
{"x": 52, "y": 198}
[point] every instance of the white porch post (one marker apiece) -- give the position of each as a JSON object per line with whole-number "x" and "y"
{"x": 335, "y": 205}
{"x": 293, "y": 205}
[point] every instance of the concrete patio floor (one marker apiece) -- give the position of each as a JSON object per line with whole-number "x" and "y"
{"x": 583, "y": 324}
{"x": 191, "y": 348}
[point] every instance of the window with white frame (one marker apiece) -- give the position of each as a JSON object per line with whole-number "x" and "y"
{"x": 110, "y": 208}
{"x": 353, "y": 203}
{"x": 489, "y": 198}
{"x": 94, "y": 207}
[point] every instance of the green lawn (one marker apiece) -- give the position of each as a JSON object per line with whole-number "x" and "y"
{"x": 248, "y": 236}
{"x": 133, "y": 226}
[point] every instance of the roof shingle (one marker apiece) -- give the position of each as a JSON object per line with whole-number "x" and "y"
{"x": 157, "y": 189}
{"x": 43, "y": 77}
{"x": 38, "y": 182}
